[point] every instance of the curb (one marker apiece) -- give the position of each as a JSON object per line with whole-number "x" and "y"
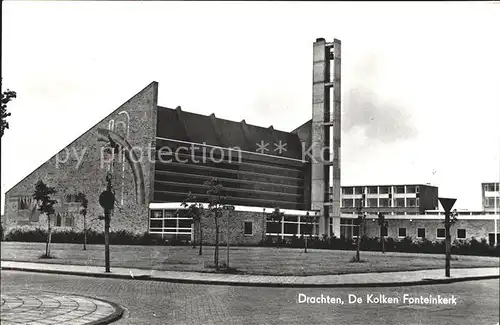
{"x": 256, "y": 284}
{"x": 116, "y": 315}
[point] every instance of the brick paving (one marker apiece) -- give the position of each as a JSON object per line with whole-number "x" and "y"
{"x": 359, "y": 279}
{"x": 45, "y": 308}
{"x": 163, "y": 303}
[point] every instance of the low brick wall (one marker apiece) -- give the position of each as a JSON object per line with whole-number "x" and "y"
{"x": 237, "y": 234}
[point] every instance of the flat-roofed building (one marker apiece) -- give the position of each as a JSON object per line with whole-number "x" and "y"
{"x": 490, "y": 195}
{"x": 389, "y": 199}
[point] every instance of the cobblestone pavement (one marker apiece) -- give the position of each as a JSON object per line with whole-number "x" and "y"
{"x": 152, "y": 302}
{"x": 44, "y": 308}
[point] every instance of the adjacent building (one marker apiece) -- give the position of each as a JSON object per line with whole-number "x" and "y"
{"x": 490, "y": 195}
{"x": 389, "y": 199}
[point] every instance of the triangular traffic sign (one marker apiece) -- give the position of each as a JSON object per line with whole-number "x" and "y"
{"x": 447, "y": 203}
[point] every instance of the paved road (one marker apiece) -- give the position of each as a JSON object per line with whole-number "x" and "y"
{"x": 149, "y": 302}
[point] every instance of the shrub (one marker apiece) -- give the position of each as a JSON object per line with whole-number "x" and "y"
{"x": 121, "y": 237}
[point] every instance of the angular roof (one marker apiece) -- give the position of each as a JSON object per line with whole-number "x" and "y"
{"x": 177, "y": 124}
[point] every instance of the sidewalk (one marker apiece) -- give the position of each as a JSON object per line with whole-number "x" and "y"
{"x": 384, "y": 279}
{"x": 45, "y": 308}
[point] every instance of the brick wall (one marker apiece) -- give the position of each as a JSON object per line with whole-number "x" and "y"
{"x": 474, "y": 228}
{"x": 237, "y": 221}
{"x": 69, "y": 177}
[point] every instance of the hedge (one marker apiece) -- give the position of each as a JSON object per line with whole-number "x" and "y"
{"x": 93, "y": 237}
{"x": 407, "y": 245}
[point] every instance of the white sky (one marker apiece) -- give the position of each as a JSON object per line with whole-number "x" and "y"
{"x": 425, "y": 77}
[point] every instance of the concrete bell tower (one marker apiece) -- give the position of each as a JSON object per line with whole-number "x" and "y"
{"x": 325, "y": 165}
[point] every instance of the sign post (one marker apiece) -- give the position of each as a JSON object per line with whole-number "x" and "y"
{"x": 447, "y": 205}
{"x": 229, "y": 208}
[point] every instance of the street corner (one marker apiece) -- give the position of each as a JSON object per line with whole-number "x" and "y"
{"x": 44, "y": 308}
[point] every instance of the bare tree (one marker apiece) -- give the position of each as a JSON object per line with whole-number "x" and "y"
{"x": 383, "y": 226}
{"x": 83, "y": 211}
{"x": 276, "y": 217}
{"x": 196, "y": 211}
{"x": 215, "y": 205}
{"x": 310, "y": 220}
{"x": 45, "y": 203}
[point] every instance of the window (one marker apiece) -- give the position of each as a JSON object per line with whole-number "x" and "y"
{"x": 171, "y": 222}
{"x": 491, "y": 187}
{"x": 411, "y": 189}
{"x": 355, "y": 231}
{"x": 358, "y": 190}
{"x": 372, "y": 203}
{"x": 402, "y": 232}
{"x": 383, "y": 231}
{"x": 58, "y": 220}
{"x": 490, "y": 202}
{"x": 71, "y": 198}
{"x": 347, "y": 203}
{"x": 347, "y": 190}
{"x": 384, "y": 190}
{"x": 292, "y": 225}
{"x": 22, "y": 204}
{"x": 156, "y": 214}
{"x": 461, "y": 233}
{"x": 359, "y": 203}
{"x": 372, "y": 190}
{"x": 411, "y": 202}
{"x": 400, "y": 202}
{"x": 248, "y": 228}
{"x": 68, "y": 221}
{"x": 400, "y": 189}
{"x": 384, "y": 203}
{"x": 347, "y": 228}
{"x": 491, "y": 239}
{"x": 440, "y": 233}
{"x": 421, "y": 232}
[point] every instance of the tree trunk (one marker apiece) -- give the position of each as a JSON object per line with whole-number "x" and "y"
{"x": 84, "y": 232}
{"x": 383, "y": 244}
{"x": 358, "y": 243}
{"x": 201, "y": 239}
{"x": 106, "y": 240}
{"x": 49, "y": 238}
{"x": 382, "y": 239}
{"x": 305, "y": 248}
{"x": 278, "y": 236}
{"x": 216, "y": 252}
{"x": 227, "y": 243}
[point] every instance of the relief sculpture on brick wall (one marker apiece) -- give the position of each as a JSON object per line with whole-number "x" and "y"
{"x": 120, "y": 136}
{"x": 66, "y": 210}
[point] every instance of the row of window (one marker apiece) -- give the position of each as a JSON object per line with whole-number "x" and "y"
{"x": 493, "y": 187}
{"x": 382, "y": 203}
{"x": 490, "y": 202}
{"x": 440, "y": 233}
{"x": 349, "y": 229}
{"x": 400, "y": 189}
{"x": 176, "y": 222}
